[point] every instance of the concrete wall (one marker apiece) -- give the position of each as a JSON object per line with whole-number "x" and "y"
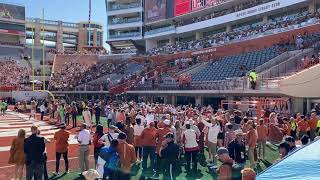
{"x": 303, "y": 84}
{"x": 151, "y": 43}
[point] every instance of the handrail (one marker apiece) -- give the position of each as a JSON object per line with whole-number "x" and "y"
{"x": 290, "y": 65}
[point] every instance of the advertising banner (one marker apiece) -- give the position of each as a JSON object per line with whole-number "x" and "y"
{"x": 211, "y": 3}
{"x": 198, "y": 4}
{"x": 181, "y": 7}
{"x": 155, "y": 10}
{"x": 12, "y": 12}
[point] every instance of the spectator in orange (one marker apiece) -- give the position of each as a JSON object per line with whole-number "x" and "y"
{"x": 96, "y": 144}
{"x": 61, "y": 137}
{"x": 161, "y": 137}
{"x": 225, "y": 170}
{"x": 248, "y": 174}
{"x": 262, "y": 132}
{"x": 306, "y": 61}
{"x": 275, "y": 134}
{"x": 303, "y": 126}
{"x": 161, "y": 123}
{"x": 251, "y": 138}
{"x": 127, "y": 156}
{"x": 17, "y": 154}
{"x": 298, "y": 118}
{"x": 313, "y": 124}
{"x": 121, "y": 117}
{"x": 149, "y": 141}
{"x": 286, "y": 126}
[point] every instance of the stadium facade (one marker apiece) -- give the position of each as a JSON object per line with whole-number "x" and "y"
{"x": 166, "y": 22}
{"x": 16, "y": 29}
{"x": 125, "y": 25}
{"x": 64, "y": 35}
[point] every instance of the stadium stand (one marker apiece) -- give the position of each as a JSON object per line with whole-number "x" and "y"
{"x": 294, "y": 20}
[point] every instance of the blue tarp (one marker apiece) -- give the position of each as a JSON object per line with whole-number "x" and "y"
{"x": 304, "y": 164}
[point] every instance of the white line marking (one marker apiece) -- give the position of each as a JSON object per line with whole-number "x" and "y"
{"x": 70, "y": 158}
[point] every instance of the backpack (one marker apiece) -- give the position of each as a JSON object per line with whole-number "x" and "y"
{"x": 112, "y": 162}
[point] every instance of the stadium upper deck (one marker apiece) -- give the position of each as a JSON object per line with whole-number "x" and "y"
{"x": 172, "y": 22}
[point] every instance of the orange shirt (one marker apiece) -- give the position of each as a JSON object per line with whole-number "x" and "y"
{"x": 225, "y": 171}
{"x": 61, "y": 138}
{"x": 313, "y": 123}
{"x": 262, "y": 132}
{"x": 121, "y": 117}
{"x": 303, "y": 126}
{"x": 127, "y": 156}
{"x": 161, "y": 124}
{"x": 245, "y": 128}
{"x": 251, "y": 138}
{"x": 149, "y": 137}
{"x": 287, "y": 128}
{"x": 160, "y": 135}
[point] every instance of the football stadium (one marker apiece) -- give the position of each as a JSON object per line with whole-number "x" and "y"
{"x": 160, "y": 89}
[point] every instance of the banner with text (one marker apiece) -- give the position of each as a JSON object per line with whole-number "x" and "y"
{"x": 181, "y": 7}
{"x": 198, "y": 4}
{"x": 250, "y": 12}
{"x": 155, "y": 10}
{"x": 12, "y": 12}
{"x": 211, "y": 3}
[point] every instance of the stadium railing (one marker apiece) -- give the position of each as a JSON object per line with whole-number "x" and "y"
{"x": 124, "y": 20}
{"x": 159, "y": 30}
{"x": 115, "y": 7}
{"x": 290, "y": 66}
{"x": 122, "y": 35}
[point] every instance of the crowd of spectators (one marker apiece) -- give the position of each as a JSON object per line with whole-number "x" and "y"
{"x": 96, "y": 51}
{"x": 67, "y": 77}
{"x": 237, "y": 34}
{"x": 307, "y": 61}
{"x": 222, "y": 12}
{"x": 12, "y": 74}
{"x": 73, "y": 74}
{"x": 176, "y": 139}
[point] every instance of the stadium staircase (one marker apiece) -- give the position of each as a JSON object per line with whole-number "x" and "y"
{"x": 282, "y": 67}
{"x": 191, "y": 70}
{"x": 124, "y": 87}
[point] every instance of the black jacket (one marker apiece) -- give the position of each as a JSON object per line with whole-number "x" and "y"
{"x": 34, "y": 147}
{"x": 171, "y": 152}
{"x": 237, "y": 151}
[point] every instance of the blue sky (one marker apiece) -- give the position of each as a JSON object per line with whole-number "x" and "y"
{"x": 65, "y": 10}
